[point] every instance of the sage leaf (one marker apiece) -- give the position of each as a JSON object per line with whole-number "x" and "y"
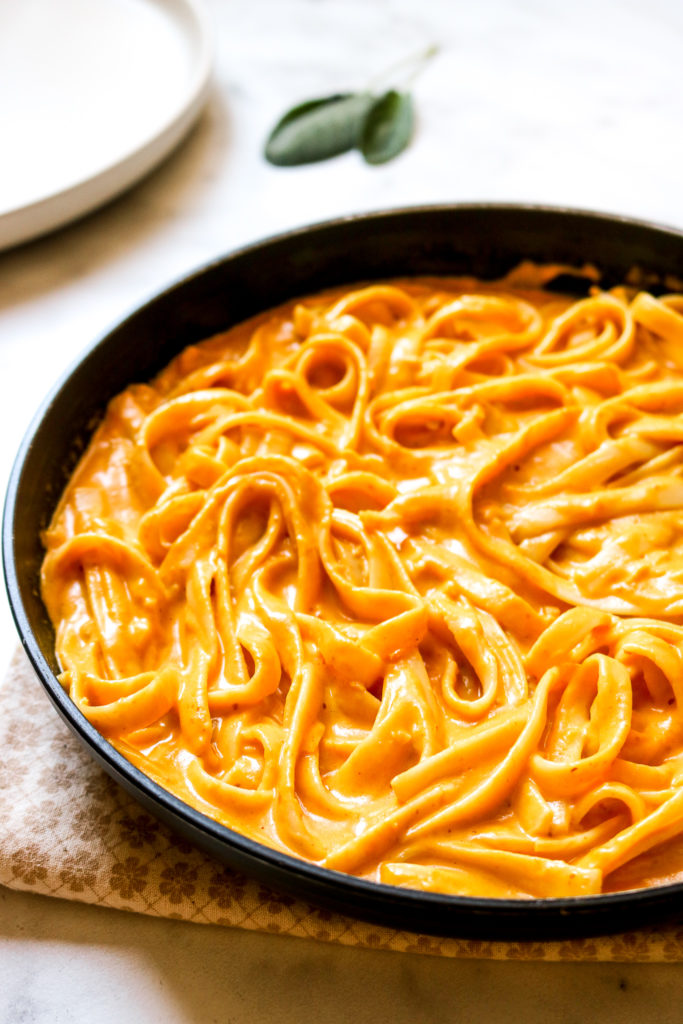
{"x": 318, "y": 129}
{"x": 306, "y": 107}
{"x": 388, "y": 127}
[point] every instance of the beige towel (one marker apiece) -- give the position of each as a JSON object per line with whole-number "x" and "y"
{"x": 68, "y": 830}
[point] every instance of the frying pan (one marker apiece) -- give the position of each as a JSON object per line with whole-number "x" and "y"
{"x": 484, "y": 240}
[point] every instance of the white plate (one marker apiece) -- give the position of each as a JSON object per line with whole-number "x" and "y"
{"x": 93, "y": 94}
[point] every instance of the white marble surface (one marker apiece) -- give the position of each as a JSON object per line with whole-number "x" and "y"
{"x": 574, "y": 104}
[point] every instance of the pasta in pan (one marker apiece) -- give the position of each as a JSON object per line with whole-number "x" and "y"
{"x": 391, "y": 579}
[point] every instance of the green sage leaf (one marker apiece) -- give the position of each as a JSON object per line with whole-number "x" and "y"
{"x": 318, "y": 129}
{"x": 306, "y": 107}
{"x": 388, "y": 127}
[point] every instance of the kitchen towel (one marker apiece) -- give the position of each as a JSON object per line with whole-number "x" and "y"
{"x": 68, "y": 830}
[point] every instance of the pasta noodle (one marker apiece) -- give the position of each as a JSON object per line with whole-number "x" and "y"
{"x": 391, "y": 579}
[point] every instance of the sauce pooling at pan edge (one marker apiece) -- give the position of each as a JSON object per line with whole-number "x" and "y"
{"x": 391, "y": 579}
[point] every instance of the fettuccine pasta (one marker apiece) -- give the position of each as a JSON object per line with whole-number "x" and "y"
{"x": 391, "y": 579}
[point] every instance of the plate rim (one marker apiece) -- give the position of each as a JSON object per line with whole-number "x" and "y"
{"x": 56, "y": 209}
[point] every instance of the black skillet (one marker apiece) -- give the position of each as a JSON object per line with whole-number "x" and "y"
{"x": 482, "y": 240}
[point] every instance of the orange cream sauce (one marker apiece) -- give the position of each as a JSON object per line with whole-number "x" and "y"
{"x": 391, "y": 579}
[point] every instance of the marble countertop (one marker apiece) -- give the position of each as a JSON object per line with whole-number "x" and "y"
{"x": 575, "y": 105}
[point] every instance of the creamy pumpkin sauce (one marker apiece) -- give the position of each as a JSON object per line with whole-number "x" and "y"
{"x": 391, "y": 579}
